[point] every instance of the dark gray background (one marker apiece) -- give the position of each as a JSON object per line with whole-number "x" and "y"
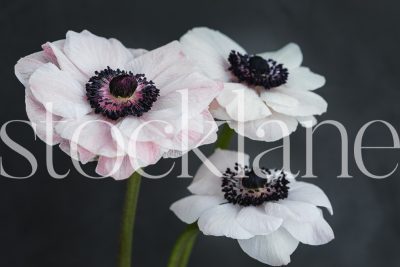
{"x": 75, "y": 221}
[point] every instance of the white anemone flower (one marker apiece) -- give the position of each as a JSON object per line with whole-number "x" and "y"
{"x": 266, "y": 210}
{"x": 114, "y": 105}
{"x": 275, "y": 91}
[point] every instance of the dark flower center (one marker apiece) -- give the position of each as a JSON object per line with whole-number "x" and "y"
{"x": 244, "y": 187}
{"x": 256, "y": 70}
{"x": 253, "y": 181}
{"x": 123, "y": 86}
{"x": 258, "y": 65}
{"x": 118, "y": 93}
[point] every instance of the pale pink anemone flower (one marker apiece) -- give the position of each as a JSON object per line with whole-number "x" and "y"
{"x": 266, "y": 210}
{"x": 275, "y": 91}
{"x": 126, "y": 108}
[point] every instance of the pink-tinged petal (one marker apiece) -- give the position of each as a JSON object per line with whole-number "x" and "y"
{"x": 145, "y": 153}
{"x": 219, "y": 112}
{"x": 221, "y": 221}
{"x": 236, "y": 96}
{"x": 257, "y": 222}
{"x": 163, "y": 123}
{"x": 308, "y": 103}
{"x": 309, "y": 193}
{"x": 65, "y": 146}
{"x": 28, "y": 65}
{"x": 199, "y": 91}
{"x": 315, "y": 232}
{"x": 273, "y": 249}
{"x": 290, "y": 56}
{"x": 163, "y": 65}
{"x": 269, "y": 129}
{"x": 93, "y": 133}
{"x": 209, "y": 50}
{"x": 50, "y": 85}
{"x": 117, "y": 167}
{"x": 145, "y": 131}
{"x": 189, "y": 209}
{"x": 81, "y": 154}
{"x": 206, "y": 182}
{"x": 200, "y": 130}
{"x": 304, "y": 79}
{"x": 92, "y": 53}
{"x": 37, "y": 115}
{"x": 210, "y": 126}
{"x": 55, "y": 50}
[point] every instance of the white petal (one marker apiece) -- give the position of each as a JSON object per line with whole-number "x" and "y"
{"x": 137, "y": 52}
{"x": 236, "y": 96}
{"x": 29, "y": 64}
{"x": 200, "y": 130}
{"x": 316, "y": 232}
{"x": 303, "y": 79}
{"x": 307, "y": 121}
{"x": 144, "y": 153}
{"x": 290, "y": 56}
{"x": 152, "y": 131}
{"x": 200, "y": 93}
{"x": 306, "y": 192}
{"x": 55, "y": 50}
{"x": 206, "y": 182}
{"x": 221, "y": 221}
{"x": 163, "y": 66}
{"x": 92, "y": 53}
{"x": 189, "y": 209}
{"x": 117, "y": 167}
{"x": 277, "y": 210}
{"x": 273, "y": 249}
{"x": 257, "y": 222}
{"x": 209, "y": 49}
{"x": 275, "y": 96}
{"x": 302, "y": 220}
{"x": 67, "y": 96}
{"x": 81, "y": 154}
{"x": 269, "y": 129}
{"x": 300, "y": 210}
{"x": 37, "y": 115}
{"x": 308, "y": 104}
{"x": 292, "y": 210}
{"x": 93, "y": 133}
{"x": 218, "y": 112}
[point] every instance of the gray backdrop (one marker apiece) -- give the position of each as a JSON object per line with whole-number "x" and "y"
{"x": 75, "y": 221}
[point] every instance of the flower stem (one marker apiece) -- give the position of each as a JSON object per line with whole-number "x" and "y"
{"x": 184, "y": 244}
{"x": 183, "y": 247}
{"x": 224, "y": 138}
{"x": 128, "y": 220}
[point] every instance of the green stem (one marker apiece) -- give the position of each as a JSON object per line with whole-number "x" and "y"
{"x": 183, "y": 247}
{"x": 182, "y": 250}
{"x": 128, "y": 220}
{"x": 224, "y": 138}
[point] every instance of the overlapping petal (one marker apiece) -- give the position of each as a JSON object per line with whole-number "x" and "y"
{"x": 269, "y": 232}
{"x": 56, "y": 80}
{"x": 290, "y": 101}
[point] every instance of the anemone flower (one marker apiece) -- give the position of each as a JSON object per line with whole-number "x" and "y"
{"x": 99, "y": 94}
{"x": 266, "y": 210}
{"x": 276, "y": 92}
